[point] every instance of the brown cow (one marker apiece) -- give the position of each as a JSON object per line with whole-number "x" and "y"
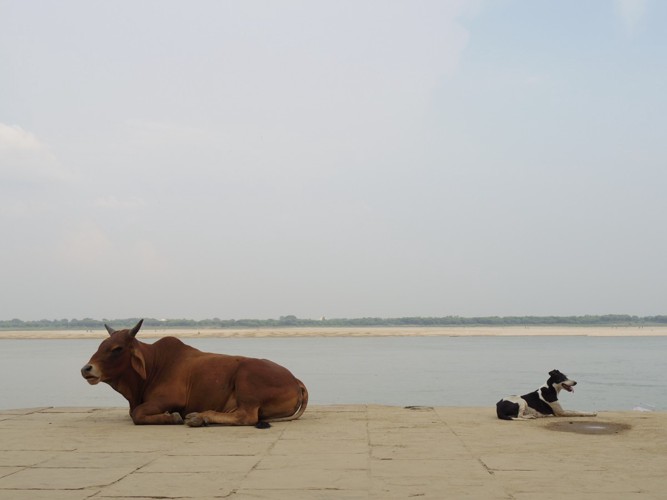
{"x": 168, "y": 381}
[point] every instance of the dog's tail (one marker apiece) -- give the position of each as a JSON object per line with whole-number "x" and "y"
{"x": 506, "y": 410}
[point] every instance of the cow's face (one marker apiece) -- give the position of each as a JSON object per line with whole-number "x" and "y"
{"x": 115, "y": 356}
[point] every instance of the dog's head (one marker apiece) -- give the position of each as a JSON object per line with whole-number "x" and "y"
{"x": 560, "y": 381}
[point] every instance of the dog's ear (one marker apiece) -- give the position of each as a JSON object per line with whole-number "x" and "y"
{"x": 553, "y": 373}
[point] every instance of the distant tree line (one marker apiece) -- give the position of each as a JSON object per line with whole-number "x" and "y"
{"x": 293, "y": 321}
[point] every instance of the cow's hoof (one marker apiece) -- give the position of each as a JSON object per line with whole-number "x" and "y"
{"x": 194, "y": 420}
{"x": 176, "y": 418}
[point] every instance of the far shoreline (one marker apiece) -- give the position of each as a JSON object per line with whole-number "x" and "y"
{"x": 402, "y": 331}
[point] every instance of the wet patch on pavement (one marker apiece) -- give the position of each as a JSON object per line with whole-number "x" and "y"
{"x": 588, "y": 427}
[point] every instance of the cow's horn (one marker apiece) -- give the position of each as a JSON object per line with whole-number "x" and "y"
{"x": 134, "y": 330}
{"x": 109, "y": 329}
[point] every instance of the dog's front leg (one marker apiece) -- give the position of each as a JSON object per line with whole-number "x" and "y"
{"x": 571, "y": 413}
{"x": 560, "y": 412}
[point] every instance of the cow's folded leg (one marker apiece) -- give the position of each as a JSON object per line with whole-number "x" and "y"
{"x": 175, "y": 418}
{"x": 144, "y": 415}
{"x": 195, "y": 420}
{"x": 248, "y": 416}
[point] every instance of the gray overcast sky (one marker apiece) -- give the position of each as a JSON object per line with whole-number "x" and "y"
{"x": 253, "y": 159}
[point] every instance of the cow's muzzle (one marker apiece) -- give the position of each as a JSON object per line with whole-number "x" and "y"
{"x": 91, "y": 374}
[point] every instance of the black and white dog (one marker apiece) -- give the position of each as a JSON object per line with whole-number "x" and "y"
{"x": 540, "y": 403}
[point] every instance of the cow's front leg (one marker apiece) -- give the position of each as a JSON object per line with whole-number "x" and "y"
{"x": 246, "y": 416}
{"x": 149, "y": 414}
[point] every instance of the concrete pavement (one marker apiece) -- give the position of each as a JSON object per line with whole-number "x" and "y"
{"x": 334, "y": 452}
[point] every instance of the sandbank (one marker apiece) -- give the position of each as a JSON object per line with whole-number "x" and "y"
{"x": 476, "y": 331}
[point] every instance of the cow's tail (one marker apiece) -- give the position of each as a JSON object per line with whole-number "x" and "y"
{"x": 303, "y": 402}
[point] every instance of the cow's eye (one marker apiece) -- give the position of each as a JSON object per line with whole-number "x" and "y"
{"x": 117, "y": 350}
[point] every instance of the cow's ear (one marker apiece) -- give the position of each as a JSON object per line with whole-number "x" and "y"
{"x": 134, "y": 330}
{"x": 109, "y": 329}
{"x": 139, "y": 363}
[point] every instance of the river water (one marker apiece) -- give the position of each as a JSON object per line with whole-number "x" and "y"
{"x": 614, "y": 373}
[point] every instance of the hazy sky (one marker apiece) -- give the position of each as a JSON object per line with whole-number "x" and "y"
{"x": 254, "y": 159}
